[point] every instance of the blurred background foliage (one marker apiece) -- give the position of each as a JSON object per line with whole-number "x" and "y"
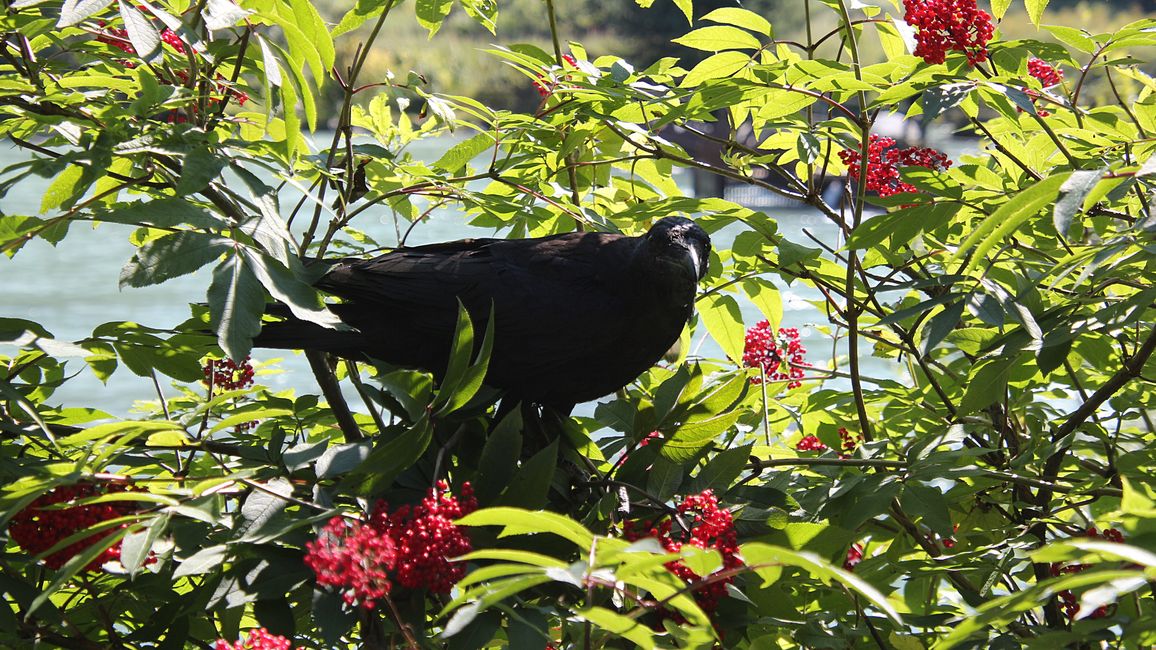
{"x": 455, "y": 62}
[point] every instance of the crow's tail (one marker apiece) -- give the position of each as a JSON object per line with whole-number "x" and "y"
{"x": 295, "y": 334}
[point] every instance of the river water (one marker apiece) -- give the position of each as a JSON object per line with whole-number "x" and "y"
{"x": 73, "y": 287}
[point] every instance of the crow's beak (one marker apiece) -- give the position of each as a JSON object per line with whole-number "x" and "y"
{"x": 695, "y": 261}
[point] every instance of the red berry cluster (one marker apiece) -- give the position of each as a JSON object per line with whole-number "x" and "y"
{"x": 884, "y": 160}
{"x": 854, "y": 557}
{"x": 544, "y": 86}
{"x": 702, "y": 524}
{"x": 258, "y": 639}
{"x": 354, "y": 557}
{"x": 417, "y": 542}
{"x": 39, "y": 527}
{"x": 118, "y": 38}
{"x": 942, "y": 25}
{"x": 849, "y": 441}
{"x": 227, "y": 374}
{"x": 427, "y": 539}
{"x": 1048, "y": 74}
{"x": 780, "y": 356}
{"x": 1068, "y": 601}
{"x": 810, "y": 442}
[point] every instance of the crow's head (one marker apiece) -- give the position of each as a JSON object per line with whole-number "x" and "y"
{"x": 681, "y": 241}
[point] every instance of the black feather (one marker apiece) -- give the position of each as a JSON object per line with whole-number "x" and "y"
{"x": 576, "y": 316}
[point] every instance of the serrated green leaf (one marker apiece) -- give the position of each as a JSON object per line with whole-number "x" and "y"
{"x": 64, "y": 189}
{"x": 515, "y": 521}
{"x": 1036, "y": 10}
{"x": 716, "y": 66}
{"x": 285, "y": 285}
{"x": 530, "y": 486}
{"x": 717, "y": 38}
{"x": 986, "y": 383}
{"x": 1008, "y": 218}
{"x": 75, "y": 11}
{"x": 1072, "y": 195}
{"x": 724, "y": 320}
{"x": 162, "y": 213}
{"x": 628, "y": 628}
{"x": 458, "y": 156}
{"x": 690, "y": 437}
{"x": 205, "y": 560}
{"x": 739, "y": 17}
{"x": 171, "y": 256}
{"x": 236, "y": 303}
{"x": 759, "y": 553}
{"x": 145, "y": 38}
{"x": 432, "y": 13}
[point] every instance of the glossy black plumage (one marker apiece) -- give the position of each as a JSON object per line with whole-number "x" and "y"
{"x": 577, "y": 316}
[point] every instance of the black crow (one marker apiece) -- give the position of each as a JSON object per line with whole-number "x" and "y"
{"x": 576, "y": 316}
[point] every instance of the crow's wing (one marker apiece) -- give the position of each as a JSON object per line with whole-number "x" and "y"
{"x": 556, "y": 299}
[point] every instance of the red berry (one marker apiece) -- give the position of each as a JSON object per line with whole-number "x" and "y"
{"x": 810, "y": 443}
{"x": 944, "y": 25}
{"x": 884, "y": 161}
{"x": 417, "y": 542}
{"x": 258, "y": 639}
{"x": 780, "y": 356}
{"x": 706, "y": 526}
{"x": 1048, "y": 74}
{"x": 39, "y": 527}
{"x": 854, "y": 557}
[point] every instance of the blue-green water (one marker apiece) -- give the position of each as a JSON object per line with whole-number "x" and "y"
{"x": 72, "y": 287}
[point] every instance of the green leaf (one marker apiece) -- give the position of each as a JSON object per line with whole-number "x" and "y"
{"x": 484, "y": 12}
{"x": 939, "y": 99}
{"x": 1008, "y": 218}
{"x": 145, "y": 38}
{"x": 717, "y": 38}
{"x": 780, "y": 103}
{"x": 515, "y": 521}
{"x": 722, "y": 469}
{"x": 530, "y": 487}
{"x": 236, "y": 303}
{"x": 1072, "y": 194}
{"x": 463, "y": 379}
{"x": 206, "y": 560}
{"x": 929, "y": 504}
{"x": 716, "y": 66}
{"x": 759, "y": 554}
{"x": 362, "y": 11}
{"x": 1076, "y": 38}
{"x": 459, "y": 155}
{"x": 628, "y": 628}
{"x": 986, "y": 384}
{"x": 162, "y": 213}
{"x": 285, "y": 285}
{"x": 432, "y": 13}
{"x": 389, "y": 460}
{"x": 686, "y": 441}
{"x": 939, "y": 326}
{"x": 999, "y": 8}
{"x": 499, "y": 458}
{"x": 137, "y": 545}
{"x": 64, "y": 190}
{"x": 664, "y": 478}
{"x": 1036, "y": 10}
{"x": 170, "y": 256}
{"x": 739, "y": 17}
{"x": 766, "y": 297}
{"x": 724, "y": 320}
{"x": 75, "y": 11}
